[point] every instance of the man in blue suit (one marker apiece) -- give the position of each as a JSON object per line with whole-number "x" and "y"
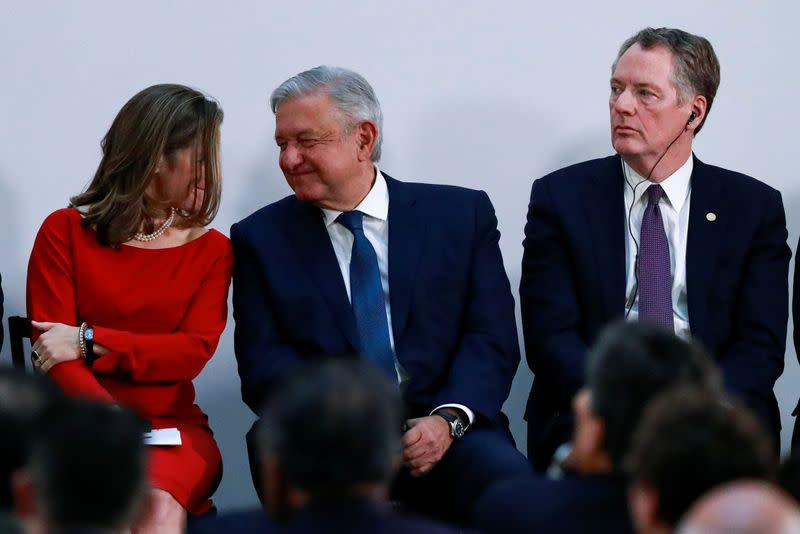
{"x": 653, "y": 233}
{"x": 407, "y": 276}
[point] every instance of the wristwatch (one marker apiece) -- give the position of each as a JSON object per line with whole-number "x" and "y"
{"x": 457, "y": 428}
{"x": 88, "y": 339}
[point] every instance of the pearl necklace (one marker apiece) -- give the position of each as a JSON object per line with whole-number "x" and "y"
{"x": 160, "y": 230}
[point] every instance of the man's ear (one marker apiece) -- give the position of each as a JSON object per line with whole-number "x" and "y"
{"x": 592, "y": 429}
{"x": 22, "y": 490}
{"x": 643, "y": 506}
{"x": 366, "y": 136}
{"x": 699, "y": 108}
{"x": 597, "y": 433}
{"x": 274, "y": 488}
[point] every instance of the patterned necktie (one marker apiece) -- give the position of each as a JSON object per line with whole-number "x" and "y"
{"x": 366, "y": 297}
{"x": 653, "y": 269}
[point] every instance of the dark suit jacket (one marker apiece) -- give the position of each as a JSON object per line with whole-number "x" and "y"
{"x": 345, "y": 515}
{"x": 1, "y": 312}
{"x": 452, "y": 307}
{"x": 574, "y": 504}
{"x": 254, "y": 521}
{"x": 573, "y": 279}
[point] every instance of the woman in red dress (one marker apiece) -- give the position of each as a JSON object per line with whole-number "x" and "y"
{"x": 128, "y": 289}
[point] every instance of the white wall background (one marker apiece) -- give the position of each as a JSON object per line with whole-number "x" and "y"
{"x": 483, "y": 94}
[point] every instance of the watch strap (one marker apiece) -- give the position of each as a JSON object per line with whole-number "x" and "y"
{"x": 88, "y": 340}
{"x": 454, "y": 421}
{"x": 447, "y": 416}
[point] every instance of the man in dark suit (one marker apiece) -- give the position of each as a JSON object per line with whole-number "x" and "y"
{"x": 332, "y": 474}
{"x": 408, "y": 276}
{"x": 629, "y": 365}
{"x": 653, "y": 233}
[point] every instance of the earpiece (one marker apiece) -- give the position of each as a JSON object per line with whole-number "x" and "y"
{"x": 692, "y": 117}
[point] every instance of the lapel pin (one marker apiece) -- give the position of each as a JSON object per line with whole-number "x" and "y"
{"x": 711, "y": 216}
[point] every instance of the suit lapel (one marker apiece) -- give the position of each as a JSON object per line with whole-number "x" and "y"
{"x": 702, "y": 241}
{"x": 604, "y": 206}
{"x": 312, "y": 243}
{"x": 406, "y": 241}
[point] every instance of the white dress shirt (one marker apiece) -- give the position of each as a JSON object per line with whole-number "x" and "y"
{"x": 674, "y": 206}
{"x": 375, "y": 208}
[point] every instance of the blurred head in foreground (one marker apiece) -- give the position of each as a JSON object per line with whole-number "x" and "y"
{"x": 690, "y": 441}
{"x": 329, "y": 430}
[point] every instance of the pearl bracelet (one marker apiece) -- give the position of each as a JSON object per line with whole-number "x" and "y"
{"x": 82, "y": 340}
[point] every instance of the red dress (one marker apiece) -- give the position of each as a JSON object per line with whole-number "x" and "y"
{"x": 160, "y": 313}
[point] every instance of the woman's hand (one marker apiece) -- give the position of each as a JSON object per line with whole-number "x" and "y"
{"x": 58, "y": 343}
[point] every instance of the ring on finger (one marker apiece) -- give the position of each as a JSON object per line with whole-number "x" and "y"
{"x": 35, "y": 358}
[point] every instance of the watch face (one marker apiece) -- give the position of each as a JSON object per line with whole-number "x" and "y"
{"x": 88, "y": 334}
{"x": 459, "y": 429}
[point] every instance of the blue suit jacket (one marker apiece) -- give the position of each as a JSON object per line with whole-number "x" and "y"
{"x": 572, "y": 505}
{"x": 573, "y": 279}
{"x": 452, "y": 307}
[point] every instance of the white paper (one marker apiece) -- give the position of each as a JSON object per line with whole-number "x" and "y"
{"x": 163, "y": 436}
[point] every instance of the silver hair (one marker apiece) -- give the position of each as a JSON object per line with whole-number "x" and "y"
{"x": 350, "y": 92}
{"x": 695, "y": 67}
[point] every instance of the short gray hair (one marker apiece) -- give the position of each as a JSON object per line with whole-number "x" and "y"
{"x": 350, "y": 92}
{"x": 695, "y": 67}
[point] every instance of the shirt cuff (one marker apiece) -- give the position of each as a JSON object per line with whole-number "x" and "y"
{"x": 470, "y": 414}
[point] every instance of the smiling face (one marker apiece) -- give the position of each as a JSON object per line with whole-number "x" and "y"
{"x": 646, "y": 112}
{"x": 323, "y": 163}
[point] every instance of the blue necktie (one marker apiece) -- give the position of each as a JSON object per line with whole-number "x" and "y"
{"x": 655, "y": 277}
{"x": 366, "y": 296}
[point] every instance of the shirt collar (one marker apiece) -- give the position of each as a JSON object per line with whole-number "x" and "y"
{"x": 375, "y": 204}
{"x": 676, "y": 185}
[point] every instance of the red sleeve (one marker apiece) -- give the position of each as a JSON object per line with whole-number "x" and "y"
{"x": 51, "y": 298}
{"x": 179, "y": 355}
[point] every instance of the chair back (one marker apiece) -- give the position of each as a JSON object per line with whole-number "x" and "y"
{"x": 19, "y": 328}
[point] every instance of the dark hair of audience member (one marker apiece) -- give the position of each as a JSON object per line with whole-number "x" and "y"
{"x": 333, "y": 425}
{"x": 23, "y": 399}
{"x": 691, "y": 440}
{"x": 87, "y": 466}
{"x": 630, "y": 364}
{"x": 789, "y": 476}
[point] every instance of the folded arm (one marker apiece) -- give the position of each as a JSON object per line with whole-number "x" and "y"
{"x": 50, "y": 295}
{"x": 177, "y": 355}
